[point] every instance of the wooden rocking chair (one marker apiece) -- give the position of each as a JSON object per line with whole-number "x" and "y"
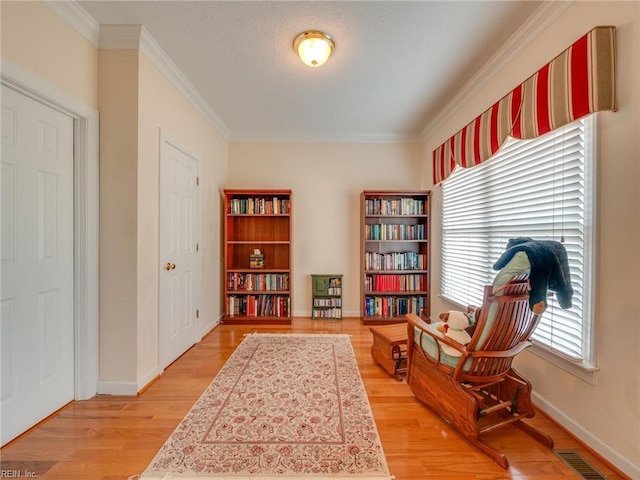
{"x": 479, "y": 391}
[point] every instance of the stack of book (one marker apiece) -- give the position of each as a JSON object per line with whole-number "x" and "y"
{"x": 395, "y": 261}
{"x": 392, "y": 231}
{"x": 257, "y": 281}
{"x": 394, "y": 283}
{"x": 256, "y": 261}
{"x": 258, "y": 305}
{"x": 399, "y": 206}
{"x": 260, "y": 206}
{"x": 393, "y": 306}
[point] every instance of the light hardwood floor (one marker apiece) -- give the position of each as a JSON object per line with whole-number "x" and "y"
{"x": 113, "y": 437}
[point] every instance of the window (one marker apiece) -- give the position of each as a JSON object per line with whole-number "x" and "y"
{"x": 541, "y": 188}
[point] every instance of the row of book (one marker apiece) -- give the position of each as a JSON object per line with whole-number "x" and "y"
{"x": 399, "y": 206}
{"x": 259, "y": 206}
{"x": 257, "y": 281}
{"x": 335, "y": 286}
{"x": 395, "y": 261}
{"x": 394, "y": 283}
{"x": 328, "y": 313}
{"x": 395, "y": 232}
{"x": 258, "y": 305}
{"x": 327, "y": 302}
{"x": 378, "y": 306}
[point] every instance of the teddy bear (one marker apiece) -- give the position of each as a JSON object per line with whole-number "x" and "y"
{"x": 454, "y": 325}
{"x": 472, "y": 312}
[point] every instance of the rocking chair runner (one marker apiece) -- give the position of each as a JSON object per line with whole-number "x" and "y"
{"x": 480, "y": 391}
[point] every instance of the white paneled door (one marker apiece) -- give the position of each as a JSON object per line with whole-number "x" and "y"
{"x": 37, "y": 326}
{"x": 179, "y": 252}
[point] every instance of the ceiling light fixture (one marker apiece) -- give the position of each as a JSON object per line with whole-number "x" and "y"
{"x": 313, "y": 47}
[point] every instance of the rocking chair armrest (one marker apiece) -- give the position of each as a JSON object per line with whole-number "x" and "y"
{"x": 416, "y": 321}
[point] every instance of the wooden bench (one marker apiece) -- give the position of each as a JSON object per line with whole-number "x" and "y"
{"x": 389, "y": 347}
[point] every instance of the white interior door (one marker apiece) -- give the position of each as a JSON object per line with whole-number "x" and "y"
{"x": 179, "y": 257}
{"x": 37, "y": 332}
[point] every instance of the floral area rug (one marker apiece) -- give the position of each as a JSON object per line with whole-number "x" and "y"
{"x": 282, "y": 406}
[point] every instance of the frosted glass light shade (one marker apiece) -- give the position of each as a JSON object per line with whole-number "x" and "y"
{"x": 313, "y": 47}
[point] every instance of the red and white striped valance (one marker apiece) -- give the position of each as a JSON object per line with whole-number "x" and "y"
{"x": 579, "y": 81}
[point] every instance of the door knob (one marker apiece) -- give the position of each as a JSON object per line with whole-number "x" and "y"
{"x": 169, "y": 266}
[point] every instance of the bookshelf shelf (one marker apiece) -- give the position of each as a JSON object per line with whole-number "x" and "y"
{"x": 258, "y": 288}
{"x": 394, "y": 254}
{"x": 262, "y": 242}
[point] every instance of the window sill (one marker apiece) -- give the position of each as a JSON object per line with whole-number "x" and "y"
{"x": 582, "y": 370}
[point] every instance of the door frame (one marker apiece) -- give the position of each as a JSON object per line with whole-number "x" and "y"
{"x": 166, "y": 138}
{"x": 85, "y": 219}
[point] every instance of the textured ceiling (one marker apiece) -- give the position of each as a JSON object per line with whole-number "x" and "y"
{"x": 397, "y": 64}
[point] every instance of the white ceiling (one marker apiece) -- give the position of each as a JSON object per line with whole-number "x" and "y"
{"x": 397, "y": 64}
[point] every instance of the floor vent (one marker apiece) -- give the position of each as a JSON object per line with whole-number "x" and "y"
{"x": 574, "y": 460}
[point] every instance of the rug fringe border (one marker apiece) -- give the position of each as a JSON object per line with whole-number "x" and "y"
{"x": 276, "y": 334}
{"x": 268, "y": 477}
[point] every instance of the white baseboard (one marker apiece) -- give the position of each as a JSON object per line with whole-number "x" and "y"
{"x": 128, "y": 388}
{"x": 207, "y": 328}
{"x": 345, "y": 314}
{"x": 148, "y": 378}
{"x": 118, "y": 388}
{"x": 622, "y": 463}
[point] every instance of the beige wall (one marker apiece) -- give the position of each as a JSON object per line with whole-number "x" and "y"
{"x": 35, "y": 38}
{"x": 326, "y": 180}
{"x": 118, "y": 104}
{"x": 162, "y": 107}
{"x": 137, "y": 103}
{"x": 607, "y": 415}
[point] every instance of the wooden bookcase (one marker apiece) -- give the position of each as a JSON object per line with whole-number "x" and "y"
{"x": 394, "y": 255}
{"x": 257, "y": 289}
{"x": 326, "y": 296}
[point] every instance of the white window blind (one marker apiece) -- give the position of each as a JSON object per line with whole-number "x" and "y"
{"x": 536, "y": 188}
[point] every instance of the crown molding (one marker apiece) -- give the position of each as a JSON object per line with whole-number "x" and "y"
{"x": 333, "y": 137}
{"x": 120, "y": 37}
{"x": 544, "y": 16}
{"x": 137, "y": 37}
{"x": 150, "y": 48}
{"x": 77, "y": 18}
